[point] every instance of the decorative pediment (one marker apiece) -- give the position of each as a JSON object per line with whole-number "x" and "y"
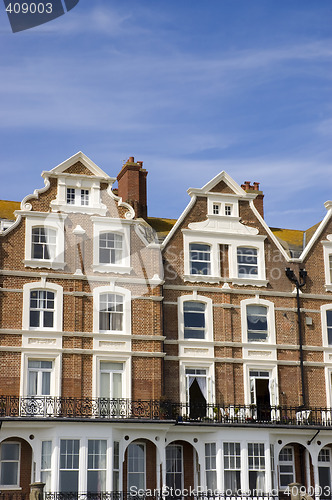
{"x": 78, "y": 164}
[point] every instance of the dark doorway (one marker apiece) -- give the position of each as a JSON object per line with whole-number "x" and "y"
{"x": 197, "y": 401}
{"x": 263, "y": 399}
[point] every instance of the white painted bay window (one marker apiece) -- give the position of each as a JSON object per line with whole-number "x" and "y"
{"x": 97, "y": 465}
{"x": 232, "y": 467}
{"x": 136, "y": 466}
{"x": 46, "y": 464}
{"x": 69, "y": 465}
{"x": 211, "y": 466}
{"x": 256, "y": 467}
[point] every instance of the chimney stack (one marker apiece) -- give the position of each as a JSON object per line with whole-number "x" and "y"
{"x": 254, "y": 188}
{"x": 132, "y": 186}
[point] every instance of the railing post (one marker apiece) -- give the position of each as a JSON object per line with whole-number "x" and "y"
{"x": 37, "y": 491}
{"x": 294, "y": 489}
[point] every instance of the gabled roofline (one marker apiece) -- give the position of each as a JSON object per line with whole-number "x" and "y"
{"x": 85, "y": 160}
{"x": 319, "y": 230}
{"x": 222, "y": 176}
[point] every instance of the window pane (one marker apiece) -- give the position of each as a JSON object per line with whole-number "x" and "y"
{"x": 68, "y": 481}
{"x": 9, "y": 473}
{"x": 10, "y": 451}
{"x": 257, "y": 322}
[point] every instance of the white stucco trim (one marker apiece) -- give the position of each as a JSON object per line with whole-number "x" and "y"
{"x": 97, "y": 291}
{"x": 58, "y": 304}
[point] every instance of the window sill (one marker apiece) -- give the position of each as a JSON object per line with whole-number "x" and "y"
{"x": 249, "y": 282}
{"x": 112, "y": 268}
{"x": 35, "y": 263}
{"x": 201, "y": 278}
{"x": 10, "y": 488}
{"x": 328, "y": 288}
{"x": 80, "y": 209}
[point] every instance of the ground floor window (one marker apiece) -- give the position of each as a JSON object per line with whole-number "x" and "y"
{"x": 232, "y": 466}
{"x": 9, "y": 463}
{"x": 211, "y": 466}
{"x": 97, "y": 465}
{"x": 286, "y": 467}
{"x": 69, "y": 465}
{"x": 136, "y": 466}
{"x": 46, "y": 466}
{"x": 174, "y": 466}
{"x": 256, "y": 466}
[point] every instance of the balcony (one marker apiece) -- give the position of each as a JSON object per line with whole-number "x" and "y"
{"x": 101, "y": 409}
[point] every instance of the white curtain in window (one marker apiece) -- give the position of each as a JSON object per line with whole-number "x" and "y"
{"x": 201, "y": 383}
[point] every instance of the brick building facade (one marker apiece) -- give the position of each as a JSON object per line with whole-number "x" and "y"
{"x": 141, "y": 353}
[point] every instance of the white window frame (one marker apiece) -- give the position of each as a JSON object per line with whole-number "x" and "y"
{"x": 208, "y": 316}
{"x": 128, "y": 472}
{"x": 116, "y": 226}
{"x": 58, "y": 305}
{"x": 233, "y": 241}
{"x": 327, "y": 252}
{"x": 17, "y": 485}
{"x": 286, "y": 462}
{"x": 40, "y": 375}
{"x": 223, "y": 201}
{"x": 176, "y": 445}
{"x": 47, "y": 471}
{"x": 271, "y": 337}
{"x": 324, "y": 309}
{"x": 126, "y": 373}
{"x": 65, "y": 438}
{"x": 126, "y": 322}
{"x": 55, "y": 376}
{"x": 47, "y": 221}
{"x": 203, "y": 261}
{"x": 210, "y": 380}
{"x": 78, "y": 182}
{"x": 209, "y": 457}
{"x": 97, "y": 469}
{"x": 273, "y": 381}
{"x": 78, "y": 196}
{"x": 260, "y": 456}
{"x": 236, "y": 469}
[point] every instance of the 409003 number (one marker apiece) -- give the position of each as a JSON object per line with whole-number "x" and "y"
{"x": 29, "y": 8}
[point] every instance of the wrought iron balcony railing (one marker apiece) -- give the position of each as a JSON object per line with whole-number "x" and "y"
{"x": 14, "y": 407}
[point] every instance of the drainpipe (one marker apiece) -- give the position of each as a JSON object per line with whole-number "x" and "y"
{"x": 299, "y": 284}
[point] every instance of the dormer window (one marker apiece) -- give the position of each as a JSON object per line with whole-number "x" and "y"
{"x": 77, "y": 196}
{"x": 228, "y": 210}
{"x": 216, "y": 208}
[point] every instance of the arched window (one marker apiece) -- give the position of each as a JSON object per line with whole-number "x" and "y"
{"x": 194, "y": 320}
{"x": 195, "y": 317}
{"x": 257, "y": 320}
{"x": 257, "y": 324}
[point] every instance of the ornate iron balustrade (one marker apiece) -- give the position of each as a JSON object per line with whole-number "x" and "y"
{"x": 110, "y": 409}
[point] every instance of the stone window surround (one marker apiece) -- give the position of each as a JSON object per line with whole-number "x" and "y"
{"x": 271, "y": 338}
{"x": 58, "y": 305}
{"x": 126, "y": 382}
{"x": 126, "y": 324}
{"x": 45, "y": 220}
{"x": 43, "y": 356}
{"x": 208, "y": 316}
{"x": 117, "y": 226}
{"x": 233, "y": 242}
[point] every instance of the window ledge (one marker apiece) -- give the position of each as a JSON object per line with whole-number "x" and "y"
{"x": 112, "y": 268}
{"x": 249, "y": 282}
{"x": 79, "y": 209}
{"x": 201, "y": 278}
{"x": 11, "y": 488}
{"x": 328, "y": 288}
{"x": 36, "y": 263}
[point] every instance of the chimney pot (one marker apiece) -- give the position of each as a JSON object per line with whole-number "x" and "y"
{"x": 131, "y": 159}
{"x": 256, "y": 186}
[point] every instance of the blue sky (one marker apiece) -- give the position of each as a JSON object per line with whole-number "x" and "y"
{"x": 191, "y": 87}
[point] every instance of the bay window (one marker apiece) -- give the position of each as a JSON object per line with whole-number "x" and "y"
{"x": 232, "y": 467}
{"x": 97, "y": 465}
{"x": 69, "y": 465}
